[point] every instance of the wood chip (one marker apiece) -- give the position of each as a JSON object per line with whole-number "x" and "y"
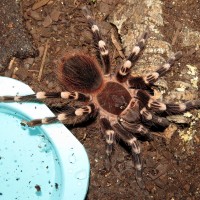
{"x": 47, "y": 21}
{"x": 55, "y": 14}
{"x": 39, "y": 4}
{"x": 35, "y": 15}
{"x": 162, "y": 169}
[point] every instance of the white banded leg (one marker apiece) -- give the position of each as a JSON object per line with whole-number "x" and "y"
{"x": 154, "y": 119}
{"x": 171, "y": 108}
{"x": 104, "y": 53}
{"x": 177, "y": 108}
{"x": 144, "y": 82}
{"x": 146, "y": 100}
{"x": 125, "y": 69}
{"x": 44, "y": 95}
{"x": 63, "y": 116}
{"x": 136, "y": 128}
{"x": 128, "y": 138}
{"x": 109, "y": 135}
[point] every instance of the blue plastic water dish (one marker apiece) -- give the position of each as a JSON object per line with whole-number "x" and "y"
{"x": 45, "y": 162}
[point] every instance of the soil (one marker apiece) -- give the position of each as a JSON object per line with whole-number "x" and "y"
{"x": 171, "y": 166}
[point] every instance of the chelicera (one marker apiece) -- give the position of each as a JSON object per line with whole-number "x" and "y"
{"x": 123, "y": 101}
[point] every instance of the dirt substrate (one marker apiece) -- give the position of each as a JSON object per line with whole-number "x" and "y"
{"x": 171, "y": 166}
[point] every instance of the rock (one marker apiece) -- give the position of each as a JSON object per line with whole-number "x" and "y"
{"x": 15, "y": 40}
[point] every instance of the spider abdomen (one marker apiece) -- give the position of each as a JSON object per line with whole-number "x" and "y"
{"x": 114, "y": 98}
{"x": 79, "y": 72}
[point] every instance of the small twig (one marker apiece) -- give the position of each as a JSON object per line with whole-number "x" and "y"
{"x": 117, "y": 44}
{"x": 11, "y": 63}
{"x": 43, "y": 60}
{"x": 11, "y": 70}
{"x": 33, "y": 70}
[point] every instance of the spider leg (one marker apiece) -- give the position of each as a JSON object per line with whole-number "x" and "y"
{"x": 104, "y": 53}
{"x": 124, "y": 71}
{"x": 137, "y": 129}
{"x": 144, "y": 82}
{"x": 177, "y": 108}
{"x": 110, "y": 139}
{"x": 130, "y": 119}
{"x": 127, "y": 137}
{"x": 134, "y": 127}
{"x": 62, "y": 117}
{"x": 43, "y": 95}
{"x": 171, "y": 108}
{"x": 148, "y": 116}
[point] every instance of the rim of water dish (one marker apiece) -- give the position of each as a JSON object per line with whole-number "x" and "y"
{"x": 73, "y": 159}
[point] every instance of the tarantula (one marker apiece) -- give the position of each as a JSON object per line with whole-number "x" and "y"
{"x": 126, "y": 107}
